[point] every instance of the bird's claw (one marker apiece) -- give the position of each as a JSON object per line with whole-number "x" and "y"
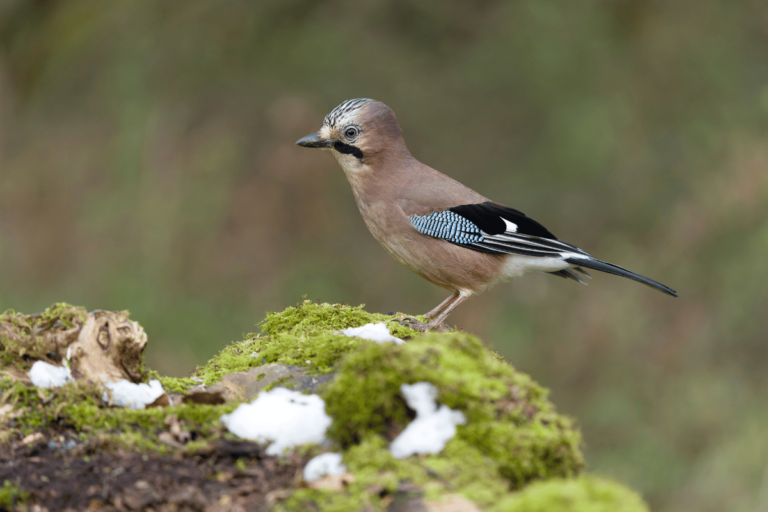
{"x": 422, "y": 326}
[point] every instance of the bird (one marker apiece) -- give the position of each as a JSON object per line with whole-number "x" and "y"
{"x": 440, "y": 229}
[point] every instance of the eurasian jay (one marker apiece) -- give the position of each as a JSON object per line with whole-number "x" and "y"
{"x": 445, "y": 232}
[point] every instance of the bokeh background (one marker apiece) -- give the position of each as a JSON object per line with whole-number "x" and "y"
{"x": 147, "y": 163}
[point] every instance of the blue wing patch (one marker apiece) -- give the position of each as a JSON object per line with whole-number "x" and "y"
{"x": 448, "y": 226}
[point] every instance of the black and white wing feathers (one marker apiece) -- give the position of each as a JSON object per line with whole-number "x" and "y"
{"x": 496, "y": 229}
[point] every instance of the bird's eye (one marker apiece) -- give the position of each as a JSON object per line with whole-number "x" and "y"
{"x": 351, "y": 132}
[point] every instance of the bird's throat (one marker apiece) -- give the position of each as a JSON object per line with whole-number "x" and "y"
{"x": 352, "y": 166}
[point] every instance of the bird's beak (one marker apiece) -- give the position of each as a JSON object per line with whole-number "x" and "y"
{"x": 314, "y": 141}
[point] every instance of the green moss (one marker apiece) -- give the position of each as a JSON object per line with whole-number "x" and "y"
{"x": 177, "y": 384}
{"x": 513, "y": 434}
{"x": 308, "y": 318}
{"x": 509, "y": 418}
{"x": 79, "y": 406}
{"x": 304, "y": 335}
{"x": 91, "y": 415}
{"x": 11, "y": 494}
{"x": 469, "y": 470}
{"x": 41, "y": 407}
{"x": 459, "y": 468}
{"x": 26, "y": 338}
{"x": 197, "y": 446}
{"x": 372, "y": 464}
{"x": 584, "y": 494}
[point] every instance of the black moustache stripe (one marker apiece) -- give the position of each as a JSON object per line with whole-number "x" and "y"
{"x": 348, "y": 149}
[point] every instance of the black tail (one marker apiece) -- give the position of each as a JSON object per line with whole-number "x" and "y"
{"x": 569, "y": 273}
{"x": 618, "y": 271}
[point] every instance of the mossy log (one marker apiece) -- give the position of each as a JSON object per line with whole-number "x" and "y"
{"x": 514, "y": 453}
{"x": 100, "y": 346}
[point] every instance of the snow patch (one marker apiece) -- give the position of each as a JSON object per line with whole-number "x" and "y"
{"x": 45, "y": 375}
{"x": 374, "y": 332}
{"x": 287, "y": 418}
{"x": 133, "y": 396}
{"x": 322, "y": 465}
{"x": 433, "y": 426}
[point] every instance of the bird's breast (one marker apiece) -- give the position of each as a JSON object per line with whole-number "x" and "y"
{"x": 442, "y": 263}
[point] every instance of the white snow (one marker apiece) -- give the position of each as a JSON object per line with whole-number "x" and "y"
{"x": 133, "y": 396}
{"x": 374, "y": 332}
{"x": 322, "y": 465}
{"x": 45, "y": 375}
{"x": 285, "y": 417}
{"x": 433, "y": 426}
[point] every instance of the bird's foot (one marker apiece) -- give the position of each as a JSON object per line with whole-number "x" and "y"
{"x": 423, "y": 326}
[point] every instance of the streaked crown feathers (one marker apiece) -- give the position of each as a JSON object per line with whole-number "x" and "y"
{"x": 344, "y": 111}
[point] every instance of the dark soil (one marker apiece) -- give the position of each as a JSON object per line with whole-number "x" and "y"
{"x": 232, "y": 476}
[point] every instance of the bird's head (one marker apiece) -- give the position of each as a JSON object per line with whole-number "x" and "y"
{"x": 358, "y": 132}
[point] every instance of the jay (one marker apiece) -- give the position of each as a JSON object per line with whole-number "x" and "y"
{"x": 447, "y": 233}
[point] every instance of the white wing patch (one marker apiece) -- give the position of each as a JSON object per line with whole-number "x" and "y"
{"x": 511, "y": 226}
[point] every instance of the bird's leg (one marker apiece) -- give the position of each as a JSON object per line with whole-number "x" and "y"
{"x": 436, "y": 324}
{"x": 432, "y": 314}
{"x": 438, "y": 321}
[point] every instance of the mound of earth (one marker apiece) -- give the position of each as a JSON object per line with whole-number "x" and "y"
{"x": 80, "y": 446}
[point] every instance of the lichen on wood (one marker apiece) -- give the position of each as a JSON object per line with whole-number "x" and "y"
{"x": 100, "y": 346}
{"x": 42, "y": 336}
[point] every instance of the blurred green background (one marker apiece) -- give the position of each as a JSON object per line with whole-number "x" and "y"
{"x": 147, "y": 163}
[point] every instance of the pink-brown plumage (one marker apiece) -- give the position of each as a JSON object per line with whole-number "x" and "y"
{"x": 392, "y": 189}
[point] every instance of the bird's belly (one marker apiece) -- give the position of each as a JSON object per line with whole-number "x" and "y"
{"x": 439, "y": 262}
{"x": 442, "y": 263}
